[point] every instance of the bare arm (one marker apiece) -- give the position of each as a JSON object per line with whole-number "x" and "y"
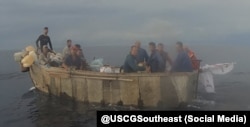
{"x": 50, "y": 44}
{"x": 65, "y": 66}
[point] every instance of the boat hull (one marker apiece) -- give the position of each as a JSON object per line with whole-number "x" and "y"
{"x": 136, "y": 89}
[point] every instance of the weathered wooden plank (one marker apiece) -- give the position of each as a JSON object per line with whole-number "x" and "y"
{"x": 54, "y": 86}
{"x": 66, "y": 87}
{"x": 170, "y": 89}
{"x": 192, "y": 86}
{"x": 95, "y": 90}
{"x": 169, "y": 98}
{"x": 115, "y": 91}
{"x": 79, "y": 90}
{"x": 180, "y": 83}
{"x": 39, "y": 78}
{"x": 150, "y": 90}
{"x": 107, "y": 94}
{"x": 129, "y": 92}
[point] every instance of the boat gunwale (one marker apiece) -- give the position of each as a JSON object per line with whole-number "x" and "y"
{"x": 61, "y": 71}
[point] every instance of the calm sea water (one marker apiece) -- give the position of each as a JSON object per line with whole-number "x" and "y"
{"x": 21, "y": 107}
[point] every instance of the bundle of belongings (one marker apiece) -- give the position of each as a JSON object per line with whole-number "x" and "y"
{"x": 56, "y": 60}
{"x": 26, "y": 58}
{"x": 96, "y": 64}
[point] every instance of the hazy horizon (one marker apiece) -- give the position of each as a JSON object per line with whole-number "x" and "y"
{"x": 109, "y": 22}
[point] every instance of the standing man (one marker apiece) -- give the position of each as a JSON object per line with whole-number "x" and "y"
{"x": 142, "y": 55}
{"x": 182, "y": 62}
{"x": 164, "y": 55}
{"x": 155, "y": 62}
{"x": 193, "y": 58}
{"x": 44, "y": 39}
{"x": 66, "y": 50}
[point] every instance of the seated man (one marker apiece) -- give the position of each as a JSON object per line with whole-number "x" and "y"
{"x": 130, "y": 64}
{"x": 182, "y": 62}
{"x": 66, "y": 50}
{"x": 44, "y": 57}
{"x": 85, "y": 65}
{"x": 155, "y": 61}
{"x": 72, "y": 60}
{"x": 164, "y": 55}
{"x": 193, "y": 58}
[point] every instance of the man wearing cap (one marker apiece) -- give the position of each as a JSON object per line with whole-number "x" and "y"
{"x": 72, "y": 60}
{"x": 44, "y": 39}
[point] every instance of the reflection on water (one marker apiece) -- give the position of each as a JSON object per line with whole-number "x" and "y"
{"x": 49, "y": 111}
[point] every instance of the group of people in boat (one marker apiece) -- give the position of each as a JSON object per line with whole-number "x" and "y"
{"x": 72, "y": 55}
{"x": 137, "y": 60}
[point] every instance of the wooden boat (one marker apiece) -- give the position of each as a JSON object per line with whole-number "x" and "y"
{"x": 128, "y": 89}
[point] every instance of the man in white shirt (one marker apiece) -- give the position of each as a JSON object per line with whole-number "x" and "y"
{"x": 66, "y": 50}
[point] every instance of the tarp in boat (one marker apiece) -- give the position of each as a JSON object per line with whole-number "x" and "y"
{"x": 96, "y": 64}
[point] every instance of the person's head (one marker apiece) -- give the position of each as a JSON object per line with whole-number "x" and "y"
{"x": 46, "y": 30}
{"x": 179, "y": 46}
{"x": 69, "y": 43}
{"x": 137, "y": 44}
{"x": 73, "y": 50}
{"x": 78, "y": 46}
{"x": 133, "y": 50}
{"x": 79, "y": 52}
{"x": 152, "y": 46}
{"x": 45, "y": 49}
{"x": 160, "y": 47}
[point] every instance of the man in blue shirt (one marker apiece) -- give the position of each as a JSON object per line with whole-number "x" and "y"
{"x": 182, "y": 62}
{"x": 155, "y": 61}
{"x": 164, "y": 55}
{"x": 142, "y": 54}
{"x": 130, "y": 64}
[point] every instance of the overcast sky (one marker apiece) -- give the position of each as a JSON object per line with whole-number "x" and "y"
{"x": 105, "y": 22}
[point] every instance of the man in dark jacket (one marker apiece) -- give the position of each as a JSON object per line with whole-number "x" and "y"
{"x": 44, "y": 39}
{"x": 165, "y": 56}
{"x": 142, "y": 54}
{"x": 72, "y": 60}
{"x": 182, "y": 62}
{"x": 130, "y": 64}
{"x": 155, "y": 61}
